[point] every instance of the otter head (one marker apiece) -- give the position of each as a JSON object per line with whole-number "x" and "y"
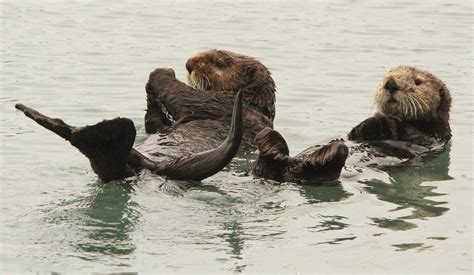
{"x": 220, "y": 70}
{"x": 416, "y": 96}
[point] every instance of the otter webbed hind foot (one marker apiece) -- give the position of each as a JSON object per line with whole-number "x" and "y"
{"x": 316, "y": 165}
{"x": 106, "y": 144}
{"x": 323, "y": 165}
{"x": 55, "y": 125}
{"x": 272, "y": 155}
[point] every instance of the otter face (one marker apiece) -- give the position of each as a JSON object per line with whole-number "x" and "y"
{"x": 223, "y": 70}
{"x": 411, "y": 93}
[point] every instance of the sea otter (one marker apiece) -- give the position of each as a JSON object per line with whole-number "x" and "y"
{"x": 214, "y": 78}
{"x": 215, "y": 75}
{"x": 412, "y": 121}
{"x": 182, "y": 121}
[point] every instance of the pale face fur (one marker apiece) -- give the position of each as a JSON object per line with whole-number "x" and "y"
{"x": 222, "y": 70}
{"x": 411, "y": 94}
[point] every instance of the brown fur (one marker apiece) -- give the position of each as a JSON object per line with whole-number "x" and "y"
{"x": 415, "y": 98}
{"x": 200, "y": 116}
{"x": 201, "y": 111}
{"x": 412, "y": 120}
{"x": 218, "y": 70}
{"x": 315, "y": 166}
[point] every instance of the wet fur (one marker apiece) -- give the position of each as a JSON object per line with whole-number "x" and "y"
{"x": 412, "y": 122}
{"x": 201, "y": 112}
{"x": 218, "y": 70}
{"x": 200, "y": 118}
{"x": 316, "y": 166}
{"x": 416, "y": 112}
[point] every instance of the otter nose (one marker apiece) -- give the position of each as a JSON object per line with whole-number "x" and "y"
{"x": 190, "y": 65}
{"x": 391, "y": 86}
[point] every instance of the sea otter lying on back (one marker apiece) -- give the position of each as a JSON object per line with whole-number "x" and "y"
{"x": 413, "y": 106}
{"x": 182, "y": 121}
{"x": 185, "y": 120}
{"x": 214, "y": 79}
{"x": 412, "y": 120}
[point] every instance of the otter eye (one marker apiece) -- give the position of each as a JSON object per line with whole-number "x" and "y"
{"x": 221, "y": 63}
{"x": 418, "y": 82}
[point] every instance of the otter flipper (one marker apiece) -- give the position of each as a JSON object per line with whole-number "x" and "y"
{"x": 322, "y": 165}
{"x": 205, "y": 164}
{"x": 273, "y": 155}
{"x": 315, "y": 165}
{"x": 106, "y": 144}
{"x": 55, "y": 125}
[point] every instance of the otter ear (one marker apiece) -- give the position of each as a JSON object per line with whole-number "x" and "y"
{"x": 445, "y": 100}
{"x": 441, "y": 93}
{"x": 249, "y": 71}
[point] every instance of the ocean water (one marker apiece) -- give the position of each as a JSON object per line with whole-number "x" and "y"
{"x": 85, "y": 61}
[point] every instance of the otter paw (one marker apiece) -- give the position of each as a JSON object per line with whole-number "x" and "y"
{"x": 271, "y": 144}
{"x": 376, "y": 128}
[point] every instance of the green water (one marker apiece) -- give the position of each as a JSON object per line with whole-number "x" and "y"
{"x": 86, "y": 61}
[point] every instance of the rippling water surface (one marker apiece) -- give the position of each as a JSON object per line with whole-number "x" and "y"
{"x": 85, "y": 61}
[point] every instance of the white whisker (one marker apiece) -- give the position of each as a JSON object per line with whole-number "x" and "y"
{"x": 409, "y": 105}
{"x": 420, "y": 108}
{"x": 208, "y": 81}
{"x": 425, "y": 104}
{"x": 409, "y": 108}
{"x": 413, "y": 107}
{"x": 404, "y": 108}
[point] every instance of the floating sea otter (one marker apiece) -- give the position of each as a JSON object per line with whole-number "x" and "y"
{"x": 214, "y": 78}
{"x": 185, "y": 120}
{"x": 412, "y": 121}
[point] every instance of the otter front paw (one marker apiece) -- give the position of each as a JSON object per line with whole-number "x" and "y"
{"x": 376, "y": 128}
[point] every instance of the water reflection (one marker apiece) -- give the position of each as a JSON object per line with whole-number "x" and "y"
{"x": 325, "y": 193}
{"x": 411, "y": 246}
{"x": 338, "y": 240}
{"x": 108, "y": 220}
{"x": 233, "y": 236}
{"x": 331, "y": 223}
{"x": 242, "y": 162}
{"x": 407, "y": 189}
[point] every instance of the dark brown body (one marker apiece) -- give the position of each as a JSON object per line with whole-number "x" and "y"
{"x": 318, "y": 165}
{"x": 193, "y": 132}
{"x": 108, "y": 144}
{"x": 412, "y": 123}
{"x": 184, "y": 121}
{"x": 189, "y": 120}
